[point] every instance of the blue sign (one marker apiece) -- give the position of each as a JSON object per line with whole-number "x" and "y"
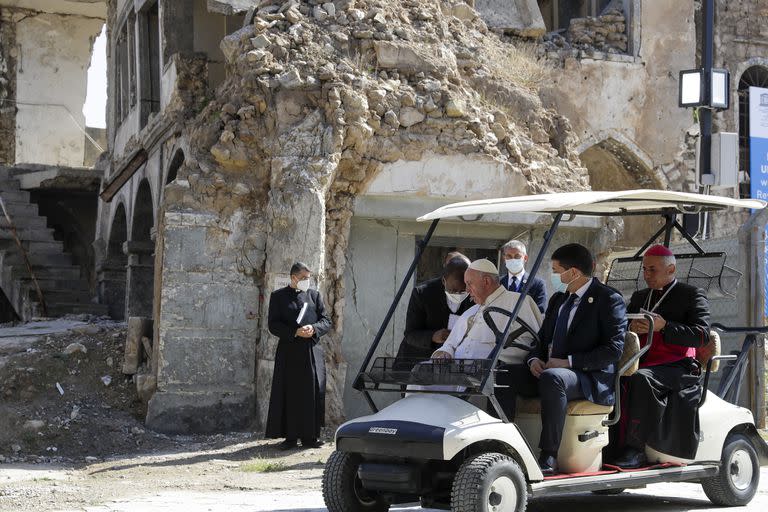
{"x": 758, "y": 154}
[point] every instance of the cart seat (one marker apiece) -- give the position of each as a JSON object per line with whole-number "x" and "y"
{"x": 585, "y": 407}
{"x": 710, "y": 350}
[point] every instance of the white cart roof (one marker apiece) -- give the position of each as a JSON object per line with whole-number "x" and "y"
{"x": 596, "y": 203}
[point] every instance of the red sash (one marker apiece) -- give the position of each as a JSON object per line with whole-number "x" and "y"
{"x": 662, "y": 352}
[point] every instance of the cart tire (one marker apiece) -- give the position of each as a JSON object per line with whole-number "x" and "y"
{"x": 489, "y": 482}
{"x": 608, "y": 492}
{"x": 736, "y": 482}
{"x": 342, "y": 489}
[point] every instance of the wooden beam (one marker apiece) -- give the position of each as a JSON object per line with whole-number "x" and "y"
{"x": 113, "y": 186}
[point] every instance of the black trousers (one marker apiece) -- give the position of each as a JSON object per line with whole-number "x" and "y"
{"x": 556, "y": 387}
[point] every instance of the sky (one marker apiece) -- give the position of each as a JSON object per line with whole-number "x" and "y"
{"x": 95, "y": 106}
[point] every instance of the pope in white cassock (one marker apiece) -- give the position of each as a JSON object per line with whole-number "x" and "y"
{"x": 471, "y": 337}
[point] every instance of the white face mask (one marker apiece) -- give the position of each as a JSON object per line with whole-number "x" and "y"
{"x": 515, "y": 265}
{"x": 303, "y": 285}
{"x": 455, "y": 300}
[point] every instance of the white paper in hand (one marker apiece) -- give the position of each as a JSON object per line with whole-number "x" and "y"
{"x": 452, "y": 321}
{"x": 301, "y": 313}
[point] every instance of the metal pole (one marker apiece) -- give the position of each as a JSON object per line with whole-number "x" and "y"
{"x": 705, "y": 113}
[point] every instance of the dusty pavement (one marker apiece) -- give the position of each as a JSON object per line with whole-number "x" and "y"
{"x": 251, "y": 475}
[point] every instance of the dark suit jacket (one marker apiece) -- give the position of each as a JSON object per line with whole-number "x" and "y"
{"x": 594, "y": 341}
{"x": 686, "y": 311}
{"x": 427, "y": 312}
{"x": 537, "y": 291}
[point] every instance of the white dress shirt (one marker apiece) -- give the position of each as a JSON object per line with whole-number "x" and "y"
{"x": 579, "y": 294}
{"x": 518, "y": 276}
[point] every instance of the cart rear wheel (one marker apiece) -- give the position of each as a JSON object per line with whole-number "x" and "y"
{"x": 489, "y": 482}
{"x": 736, "y": 483}
{"x": 342, "y": 489}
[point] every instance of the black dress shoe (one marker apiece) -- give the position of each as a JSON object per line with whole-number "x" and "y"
{"x": 632, "y": 458}
{"x": 311, "y": 443}
{"x": 288, "y": 444}
{"x": 548, "y": 464}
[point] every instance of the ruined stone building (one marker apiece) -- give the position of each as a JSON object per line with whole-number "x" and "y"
{"x": 47, "y": 153}
{"x": 244, "y": 135}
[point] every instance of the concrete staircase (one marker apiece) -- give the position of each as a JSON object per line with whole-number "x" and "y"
{"x": 64, "y": 290}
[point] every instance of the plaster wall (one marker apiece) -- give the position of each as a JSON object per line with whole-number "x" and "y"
{"x": 633, "y": 96}
{"x": 89, "y": 8}
{"x": 51, "y": 87}
{"x": 447, "y": 176}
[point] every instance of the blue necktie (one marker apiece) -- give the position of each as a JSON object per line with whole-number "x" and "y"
{"x": 561, "y": 327}
{"x": 513, "y": 284}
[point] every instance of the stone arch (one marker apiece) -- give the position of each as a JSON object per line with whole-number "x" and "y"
{"x": 140, "y": 250}
{"x": 112, "y": 274}
{"x": 755, "y": 75}
{"x": 612, "y": 165}
{"x": 173, "y": 168}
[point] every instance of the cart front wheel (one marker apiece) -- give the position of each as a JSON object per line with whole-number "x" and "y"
{"x": 736, "y": 483}
{"x": 342, "y": 489}
{"x": 489, "y": 482}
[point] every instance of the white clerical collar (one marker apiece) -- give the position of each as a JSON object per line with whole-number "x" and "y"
{"x": 493, "y": 296}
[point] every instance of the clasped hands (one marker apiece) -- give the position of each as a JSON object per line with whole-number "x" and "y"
{"x": 306, "y": 331}
{"x": 537, "y": 365}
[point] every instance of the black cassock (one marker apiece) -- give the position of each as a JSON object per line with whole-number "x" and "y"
{"x": 297, "y": 402}
{"x": 661, "y": 401}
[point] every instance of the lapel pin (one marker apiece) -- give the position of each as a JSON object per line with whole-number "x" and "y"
{"x": 590, "y": 300}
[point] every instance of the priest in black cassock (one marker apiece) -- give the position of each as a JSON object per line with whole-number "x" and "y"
{"x": 297, "y": 405}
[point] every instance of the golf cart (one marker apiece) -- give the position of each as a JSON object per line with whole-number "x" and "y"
{"x": 439, "y": 446}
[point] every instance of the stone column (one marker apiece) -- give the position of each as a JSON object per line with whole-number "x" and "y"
{"x": 140, "y": 277}
{"x": 297, "y": 213}
{"x": 110, "y": 279}
{"x": 207, "y": 327}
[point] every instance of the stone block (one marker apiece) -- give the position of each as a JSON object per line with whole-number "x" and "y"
{"x": 138, "y": 327}
{"x": 192, "y": 359}
{"x": 200, "y": 412}
{"x": 219, "y": 303}
{"x": 521, "y": 17}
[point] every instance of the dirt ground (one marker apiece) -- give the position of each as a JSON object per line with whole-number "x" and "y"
{"x": 242, "y": 463}
{"x": 72, "y": 433}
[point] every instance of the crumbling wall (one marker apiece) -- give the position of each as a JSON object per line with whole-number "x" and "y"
{"x": 55, "y": 49}
{"x": 631, "y": 98}
{"x": 319, "y": 97}
{"x": 8, "y": 55}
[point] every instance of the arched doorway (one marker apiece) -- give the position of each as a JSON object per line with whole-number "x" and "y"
{"x": 141, "y": 258}
{"x": 614, "y": 166}
{"x": 112, "y": 273}
{"x": 754, "y": 76}
{"x": 173, "y": 169}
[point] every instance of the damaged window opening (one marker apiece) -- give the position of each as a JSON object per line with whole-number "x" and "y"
{"x": 125, "y": 80}
{"x": 558, "y": 14}
{"x": 153, "y": 46}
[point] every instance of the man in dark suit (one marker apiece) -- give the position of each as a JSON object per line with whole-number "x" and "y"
{"x": 434, "y": 306}
{"x": 580, "y": 343}
{"x": 515, "y": 257}
{"x": 662, "y": 396}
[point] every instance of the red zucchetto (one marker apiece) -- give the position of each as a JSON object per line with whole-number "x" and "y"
{"x": 658, "y": 250}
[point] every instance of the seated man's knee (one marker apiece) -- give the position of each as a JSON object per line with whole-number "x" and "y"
{"x": 551, "y": 378}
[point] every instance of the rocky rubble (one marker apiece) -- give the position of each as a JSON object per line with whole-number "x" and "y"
{"x": 605, "y": 33}
{"x": 65, "y": 399}
{"x": 321, "y": 95}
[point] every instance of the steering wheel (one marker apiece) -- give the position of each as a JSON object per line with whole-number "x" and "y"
{"x": 510, "y": 341}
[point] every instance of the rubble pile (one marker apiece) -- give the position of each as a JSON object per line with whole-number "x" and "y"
{"x": 321, "y": 95}
{"x": 605, "y": 33}
{"x": 65, "y": 398}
